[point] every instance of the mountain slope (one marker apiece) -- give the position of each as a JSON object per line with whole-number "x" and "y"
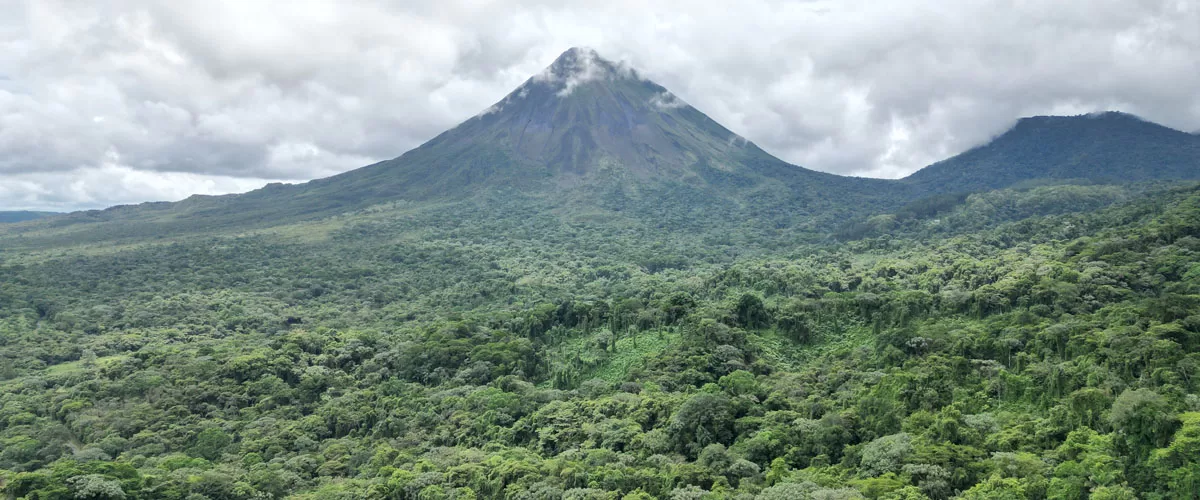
{"x": 1108, "y": 147}
{"x": 22, "y": 215}
{"x": 580, "y": 115}
{"x": 581, "y": 122}
{"x": 585, "y": 136}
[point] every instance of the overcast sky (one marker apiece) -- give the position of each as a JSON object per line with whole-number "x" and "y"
{"x": 108, "y": 102}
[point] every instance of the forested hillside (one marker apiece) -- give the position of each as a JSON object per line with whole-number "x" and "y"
{"x": 443, "y": 354}
{"x": 1108, "y": 147}
{"x": 22, "y": 215}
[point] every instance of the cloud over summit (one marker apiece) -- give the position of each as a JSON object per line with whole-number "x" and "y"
{"x": 122, "y": 100}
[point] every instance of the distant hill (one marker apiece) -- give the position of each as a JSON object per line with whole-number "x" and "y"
{"x": 1105, "y": 148}
{"x": 22, "y": 215}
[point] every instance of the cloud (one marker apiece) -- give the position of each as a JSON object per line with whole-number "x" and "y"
{"x": 666, "y": 100}
{"x": 587, "y": 69}
{"x": 108, "y": 185}
{"x": 577, "y": 66}
{"x": 234, "y": 93}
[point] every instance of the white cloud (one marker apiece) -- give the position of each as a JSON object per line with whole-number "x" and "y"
{"x": 110, "y": 184}
{"x": 577, "y": 66}
{"x": 228, "y": 90}
{"x": 588, "y": 70}
{"x": 666, "y": 100}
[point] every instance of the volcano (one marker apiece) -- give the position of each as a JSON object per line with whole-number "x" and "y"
{"x": 584, "y": 132}
{"x": 583, "y": 119}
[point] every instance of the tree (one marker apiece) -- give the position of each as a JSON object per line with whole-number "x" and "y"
{"x": 1113, "y": 493}
{"x": 702, "y": 420}
{"x": 996, "y": 488}
{"x": 791, "y": 491}
{"x": 95, "y": 487}
{"x": 211, "y": 443}
{"x": 750, "y": 312}
{"x": 1143, "y": 420}
{"x": 1177, "y": 466}
{"x": 637, "y": 494}
{"x": 739, "y": 383}
{"x": 885, "y": 454}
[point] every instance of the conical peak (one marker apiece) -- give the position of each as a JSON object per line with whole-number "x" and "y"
{"x": 584, "y": 114}
{"x": 580, "y": 65}
{"x": 574, "y": 56}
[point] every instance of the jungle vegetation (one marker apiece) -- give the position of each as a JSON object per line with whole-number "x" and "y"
{"x": 985, "y": 350}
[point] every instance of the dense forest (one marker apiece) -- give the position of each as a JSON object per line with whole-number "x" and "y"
{"x": 1040, "y": 342}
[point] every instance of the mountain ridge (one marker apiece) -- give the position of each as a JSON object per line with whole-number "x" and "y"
{"x": 10, "y": 216}
{"x": 1110, "y": 146}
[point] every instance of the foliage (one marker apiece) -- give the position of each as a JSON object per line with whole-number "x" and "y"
{"x": 495, "y": 348}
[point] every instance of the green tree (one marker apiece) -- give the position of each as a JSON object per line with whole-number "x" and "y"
{"x": 95, "y": 487}
{"x": 1177, "y": 466}
{"x": 210, "y": 443}
{"x": 701, "y": 420}
{"x": 886, "y": 454}
{"x": 750, "y": 311}
{"x": 1143, "y": 420}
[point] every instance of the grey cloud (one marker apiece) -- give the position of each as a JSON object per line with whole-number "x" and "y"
{"x": 224, "y": 95}
{"x": 109, "y": 185}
